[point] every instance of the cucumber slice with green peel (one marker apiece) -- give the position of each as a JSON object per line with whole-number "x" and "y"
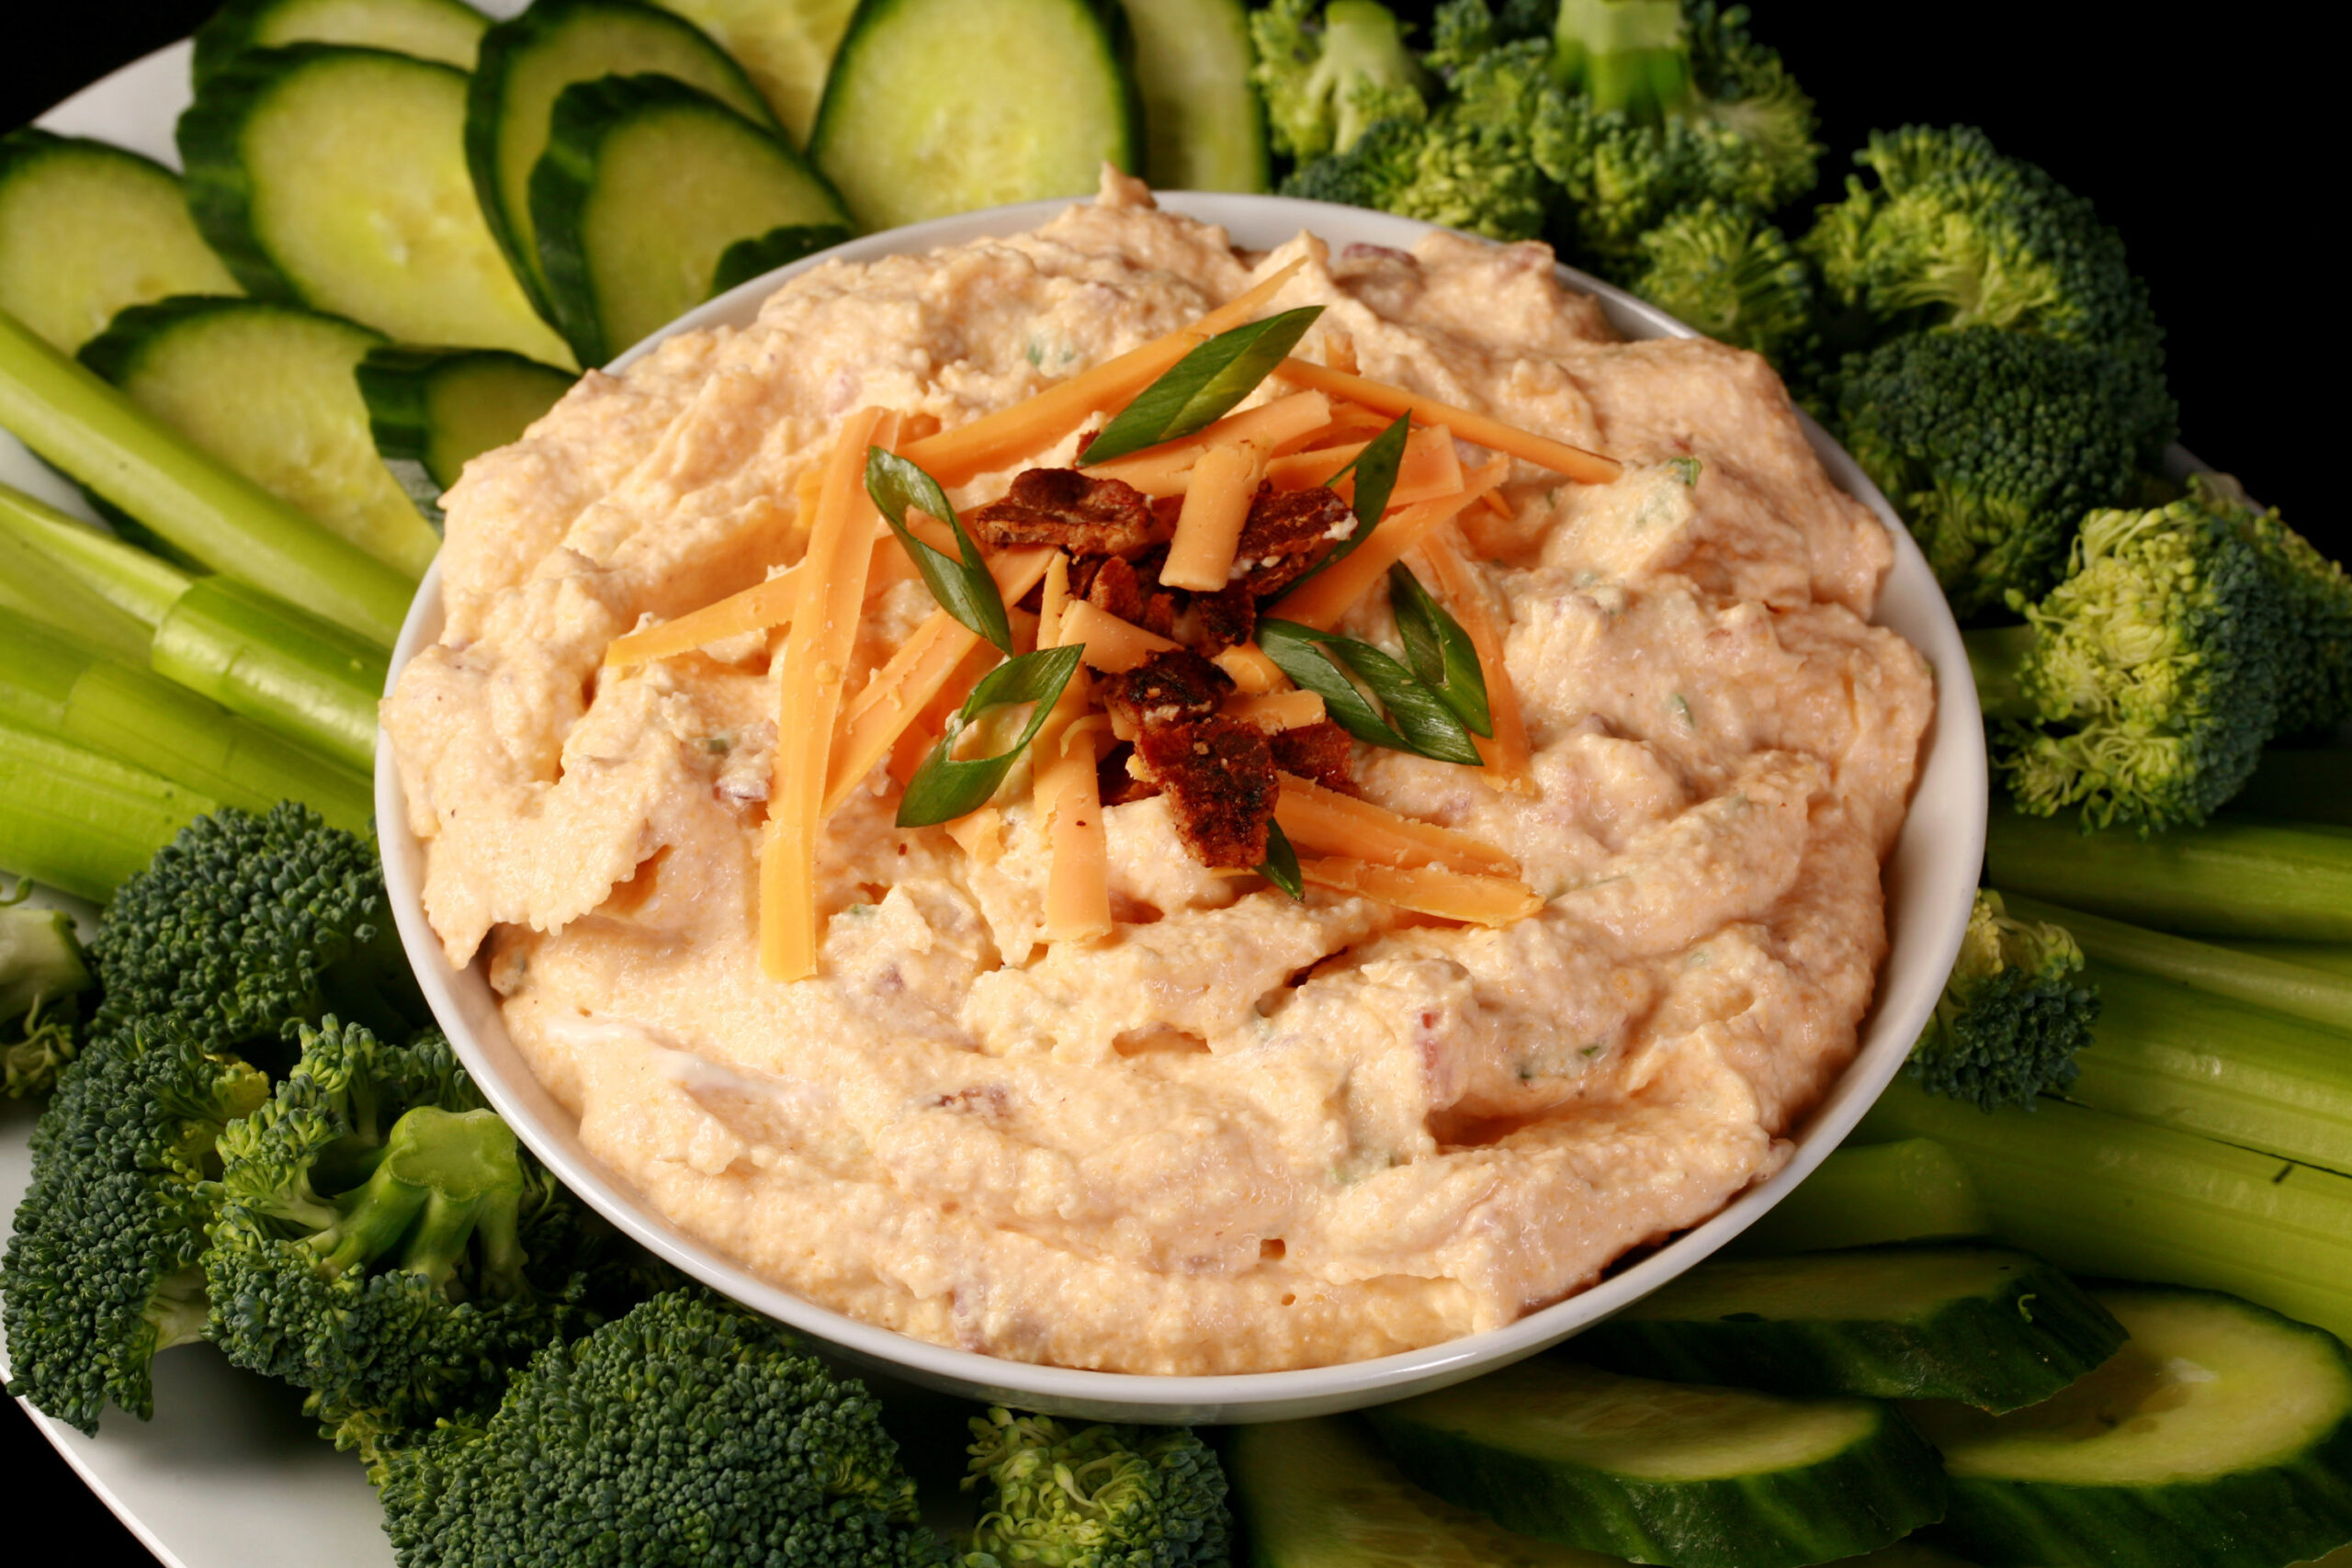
{"x": 432, "y": 411}
{"x": 445, "y": 30}
{"x": 2220, "y": 1438}
{"x": 525, "y": 65}
{"x": 1990, "y": 1327}
{"x": 645, "y": 186}
{"x": 938, "y": 107}
{"x": 1668, "y": 1472}
{"x": 1203, "y": 127}
{"x": 1870, "y": 1195}
{"x": 336, "y": 177}
{"x": 1321, "y": 1494}
{"x": 748, "y": 259}
{"x": 268, "y": 389}
{"x": 785, "y": 46}
{"x": 86, "y": 230}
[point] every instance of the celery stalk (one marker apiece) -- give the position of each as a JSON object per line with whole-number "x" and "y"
{"x": 2247, "y": 1076}
{"x": 2296, "y": 990}
{"x": 2225, "y": 879}
{"x": 1867, "y": 1195}
{"x": 80, "y": 821}
{"x": 309, "y": 680}
{"x": 2334, "y": 958}
{"x": 91, "y": 431}
{"x": 68, "y": 556}
{"x": 30, "y": 584}
{"x": 2102, "y": 1194}
{"x": 36, "y": 674}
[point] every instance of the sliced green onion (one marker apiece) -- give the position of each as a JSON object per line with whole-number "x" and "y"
{"x": 1375, "y": 470}
{"x": 965, "y": 589}
{"x": 1282, "y": 863}
{"x": 1203, "y": 387}
{"x": 1440, "y": 651}
{"x": 1416, "y": 719}
{"x": 947, "y": 786}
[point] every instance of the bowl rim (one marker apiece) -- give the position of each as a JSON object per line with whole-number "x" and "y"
{"x": 1943, "y": 855}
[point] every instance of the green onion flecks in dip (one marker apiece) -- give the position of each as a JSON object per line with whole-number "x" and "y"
{"x": 1369, "y": 807}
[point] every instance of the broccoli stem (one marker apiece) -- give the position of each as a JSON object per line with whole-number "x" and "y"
{"x": 1630, "y": 57}
{"x": 30, "y": 585}
{"x": 2098, "y": 1193}
{"x": 76, "y": 694}
{"x": 447, "y": 1178}
{"x": 41, "y": 962}
{"x": 2300, "y": 786}
{"x": 91, "y": 431}
{"x": 1869, "y": 1196}
{"x": 305, "y": 678}
{"x": 2267, "y": 983}
{"x": 2224, "y": 879}
{"x": 81, "y": 821}
{"x": 1995, "y": 654}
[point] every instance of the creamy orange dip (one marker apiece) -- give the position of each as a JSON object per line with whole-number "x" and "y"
{"x": 1240, "y": 1134}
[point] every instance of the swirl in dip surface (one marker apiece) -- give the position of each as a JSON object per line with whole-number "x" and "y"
{"x": 1240, "y": 1134}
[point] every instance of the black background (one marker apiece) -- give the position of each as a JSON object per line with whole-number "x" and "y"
{"x": 2205, "y": 151}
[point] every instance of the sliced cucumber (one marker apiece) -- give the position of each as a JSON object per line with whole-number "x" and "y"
{"x": 432, "y": 411}
{"x": 2220, "y": 1438}
{"x": 748, "y": 259}
{"x": 1990, "y": 1327}
{"x": 86, "y": 230}
{"x": 1202, "y": 126}
{"x": 525, "y": 65}
{"x": 786, "y": 47}
{"x": 937, "y": 107}
{"x": 645, "y": 186}
{"x": 336, "y": 177}
{"x": 268, "y": 389}
{"x": 1321, "y": 1495}
{"x": 1668, "y": 1472}
{"x": 445, "y": 30}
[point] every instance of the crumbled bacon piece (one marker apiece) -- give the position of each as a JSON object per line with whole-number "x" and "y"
{"x": 1211, "y": 623}
{"x": 1113, "y": 781}
{"x": 1218, "y": 775}
{"x": 1322, "y": 752}
{"x": 1170, "y": 687}
{"x": 1132, "y": 592}
{"x": 1066, "y": 508}
{"x": 1286, "y": 530}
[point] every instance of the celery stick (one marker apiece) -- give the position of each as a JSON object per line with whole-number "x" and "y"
{"x": 290, "y": 672}
{"x": 2102, "y": 1194}
{"x": 171, "y": 730}
{"x": 2294, "y": 989}
{"x": 2299, "y": 787}
{"x": 2245, "y": 1075}
{"x": 2334, "y": 958}
{"x": 31, "y": 584}
{"x": 1865, "y": 1195}
{"x": 36, "y": 674}
{"x": 2225, "y": 879}
{"x": 89, "y": 429}
{"x": 82, "y": 823}
{"x": 76, "y": 554}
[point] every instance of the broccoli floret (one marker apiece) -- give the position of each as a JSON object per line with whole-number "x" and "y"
{"x": 2143, "y": 686}
{"x": 1954, "y": 234}
{"x": 244, "y": 926}
{"x": 42, "y": 975}
{"x": 1666, "y": 104}
{"x": 101, "y": 1274}
{"x": 1104, "y": 1496}
{"x": 1327, "y": 81}
{"x": 686, "y": 1433}
{"x": 1734, "y": 276}
{"x": 2315, "y": 677}
{"x": 382, "y": 1243}
{"x": 1992, "y": 445}
{"x": 2012, "y": 1015}
{"x": 1467, "y": 164}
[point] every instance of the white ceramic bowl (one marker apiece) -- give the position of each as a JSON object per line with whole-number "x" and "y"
{"x": 1930, "y": 884}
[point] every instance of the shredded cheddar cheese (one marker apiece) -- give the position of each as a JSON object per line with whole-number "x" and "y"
{"x": 1426, "y": 889}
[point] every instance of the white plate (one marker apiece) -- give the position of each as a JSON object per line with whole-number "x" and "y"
{"x": 1930, "y": 883}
